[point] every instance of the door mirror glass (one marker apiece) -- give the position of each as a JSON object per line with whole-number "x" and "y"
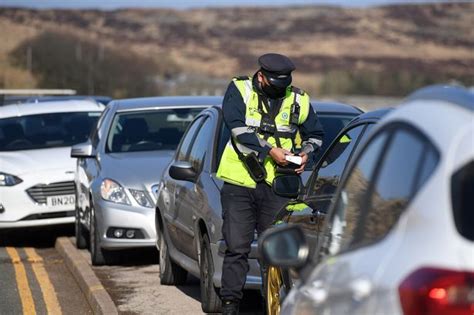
{"x": 284, "y": 246}
{"x": 82, "y": 150}
{"x": 182, "y": 171}
{"x": 287, "y": 186}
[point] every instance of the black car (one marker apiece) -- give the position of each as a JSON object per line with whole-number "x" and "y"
{"x": 188, "y": 213}
{"x": 317, "y": 196}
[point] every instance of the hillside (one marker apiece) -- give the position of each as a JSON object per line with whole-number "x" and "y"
{"x": 326, "y": 43}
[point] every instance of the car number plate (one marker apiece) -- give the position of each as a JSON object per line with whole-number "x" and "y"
{"x": 65, "y": 202}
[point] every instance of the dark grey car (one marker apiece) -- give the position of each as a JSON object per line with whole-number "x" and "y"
{"x": 188, "y": 214}
{"x": 310, "y": 209}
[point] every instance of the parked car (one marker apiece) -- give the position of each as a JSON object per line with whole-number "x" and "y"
{"x": 310, "y": 210}
{"x": 119, "y": 168}
{"x": 36, "y": 172}
{"x": 188, "y": 213}
{"x": 399, "y": 238}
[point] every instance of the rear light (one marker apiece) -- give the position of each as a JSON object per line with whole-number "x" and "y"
{"x": 432, "y": 291}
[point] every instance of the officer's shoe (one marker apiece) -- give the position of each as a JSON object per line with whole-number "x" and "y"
{"x": 230, "y": 307}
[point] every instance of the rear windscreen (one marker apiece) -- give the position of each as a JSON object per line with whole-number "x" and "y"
{"x": 462, "y": 192}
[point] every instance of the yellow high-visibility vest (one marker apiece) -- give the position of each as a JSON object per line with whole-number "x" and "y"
{"x": 231, "y": 169}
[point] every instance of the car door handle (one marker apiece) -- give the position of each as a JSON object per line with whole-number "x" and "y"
{"x": 316, "y": 291}
{"x": 316, "y": 215}
{"x": 360, "y": 288}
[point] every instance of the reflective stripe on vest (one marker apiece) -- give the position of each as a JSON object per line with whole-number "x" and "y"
{"x": 231, "y": 168}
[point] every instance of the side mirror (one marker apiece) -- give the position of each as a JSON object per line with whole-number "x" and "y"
{"x": 284, "y": 246}
{"x": 182, "y": 171}
{"x": 82, "y": 150}
{"x": 288, "y": 186}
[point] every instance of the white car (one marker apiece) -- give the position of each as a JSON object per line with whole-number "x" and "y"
{"x": 399, "y": 238}
{"x": 36, "y": 170}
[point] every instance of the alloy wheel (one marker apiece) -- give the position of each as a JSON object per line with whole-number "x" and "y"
{"x": 274, "y": 286}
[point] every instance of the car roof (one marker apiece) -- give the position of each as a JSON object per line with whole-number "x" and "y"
{"x": 159, "y": 101}
{"x": 18, "y": 99}
{"x": 335, "y": 107}
{"x": 374, "y": 115}
{"x": 97, "y": 98}
{"x": 444, "y": 119}
{"x": 453, "y": 94}
{"x": 166, "y": 101}
{"x": 25, "y": 109}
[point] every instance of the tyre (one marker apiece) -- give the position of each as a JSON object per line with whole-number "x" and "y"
{"x": 99, "y": 256}
{"x": 210, "y": 301}
{"x": 170, "y": 272}
{"x": 81, "y": 240}
{"x": 273, "y": 291}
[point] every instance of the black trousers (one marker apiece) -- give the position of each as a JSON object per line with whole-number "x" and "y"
{"x": 244, "y": 211}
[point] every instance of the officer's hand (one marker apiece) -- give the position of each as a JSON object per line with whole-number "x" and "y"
{"x": 278, "y": 155}
{"x": 304, "y": 157}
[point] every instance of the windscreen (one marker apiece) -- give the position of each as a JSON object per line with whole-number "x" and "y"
{"x": 149, "y": 130}
{"x": 44, "y": 131}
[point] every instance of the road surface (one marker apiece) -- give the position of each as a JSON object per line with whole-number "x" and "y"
{"x": 33, "y": 276}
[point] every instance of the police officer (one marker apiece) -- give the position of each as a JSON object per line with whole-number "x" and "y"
{"x": 263, "y": 113}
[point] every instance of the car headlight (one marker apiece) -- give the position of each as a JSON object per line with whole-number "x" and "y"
{"x": 141, "y": 198}
{"x": 9, "y": 180}
{"x": 112, "y": 191}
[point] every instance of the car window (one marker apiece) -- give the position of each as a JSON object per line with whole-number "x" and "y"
{"x": 149, "y": 130}
{"x": 334, "y": 162}
{"x": 201, "y": 144}
{"x": 394, "y": 186}
{"x": 42, "y": 131}
{"x": 184, "y": 147}
{"x": 462, "y": 190}
{"x": 342, "y": 222}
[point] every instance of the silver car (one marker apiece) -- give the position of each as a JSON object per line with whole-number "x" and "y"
{"x": 119, "y": 167}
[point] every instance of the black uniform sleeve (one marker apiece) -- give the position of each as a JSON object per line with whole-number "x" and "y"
{"x": 311, "y": 132}
{"x": 233, "y": 109}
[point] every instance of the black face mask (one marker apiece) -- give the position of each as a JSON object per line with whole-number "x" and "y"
{"x": 273, "y": 92}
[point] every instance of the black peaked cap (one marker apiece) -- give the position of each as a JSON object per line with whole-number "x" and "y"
{"x": 276, "y": 63}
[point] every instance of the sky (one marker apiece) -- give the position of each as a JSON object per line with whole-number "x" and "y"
{"x": 185, "y": 4}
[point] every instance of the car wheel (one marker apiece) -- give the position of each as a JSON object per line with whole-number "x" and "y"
{"x": 210, "y": 301}
{"x": 170, "y": 272}
{"x": 274, "y": 287}
{"x": 99, "y": 256}
{"x": 81, "y": 240}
